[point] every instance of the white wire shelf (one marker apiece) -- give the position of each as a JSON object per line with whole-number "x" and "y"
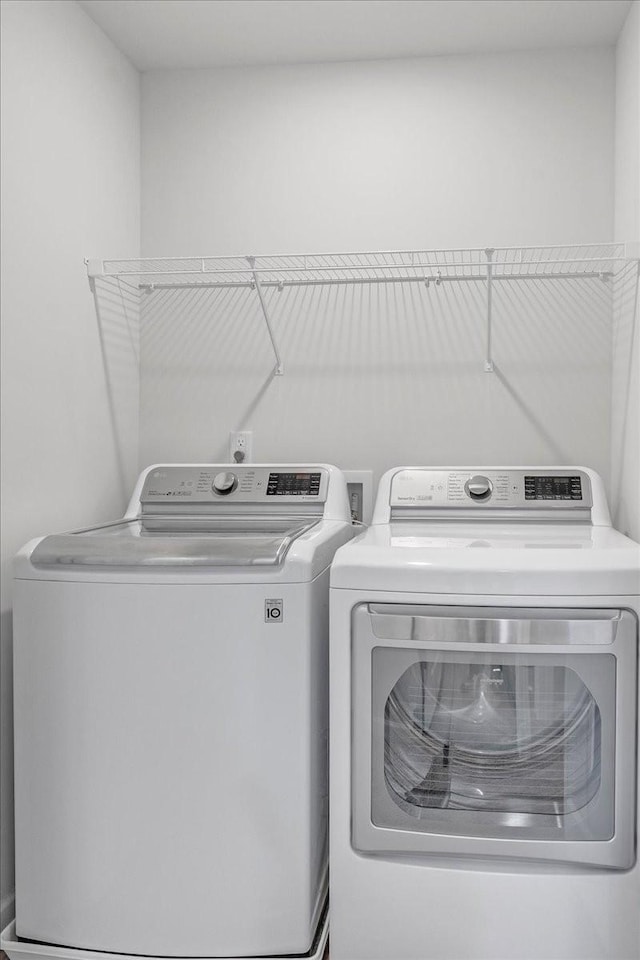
{"x": 485, "y": 265}
{"x": 400, "y": 266}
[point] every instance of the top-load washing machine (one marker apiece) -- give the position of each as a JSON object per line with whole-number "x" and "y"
{"x": 171, "y": 710}
{"x": 484, "y": 724}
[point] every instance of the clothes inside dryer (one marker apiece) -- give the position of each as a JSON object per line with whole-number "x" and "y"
{"x": 493, "y": 736}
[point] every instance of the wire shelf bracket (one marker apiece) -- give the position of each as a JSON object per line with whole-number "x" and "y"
{"x": 488, "y": 363}
{"x": 488, "y": 266}
{"x": 279, "y": 369}
{"x": 96, "y": 268}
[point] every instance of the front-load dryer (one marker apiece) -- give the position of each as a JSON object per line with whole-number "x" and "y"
{"x": 171, "y": 719}
{"x": 484, "y": 731}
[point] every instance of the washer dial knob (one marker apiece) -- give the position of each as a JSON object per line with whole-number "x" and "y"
{"x": 224, "y": 483}
{"x": 478, "y": 488}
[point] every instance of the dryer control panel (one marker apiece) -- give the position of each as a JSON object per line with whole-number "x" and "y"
{"x": 490, "y": 491}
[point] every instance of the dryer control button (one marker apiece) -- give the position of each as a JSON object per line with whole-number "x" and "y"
{"x": 224, "y": 483}
{"x": 478, "y": 488}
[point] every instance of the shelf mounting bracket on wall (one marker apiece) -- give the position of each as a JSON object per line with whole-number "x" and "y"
{"x": 279, "y": 369}
{"x": 488, "y": 363}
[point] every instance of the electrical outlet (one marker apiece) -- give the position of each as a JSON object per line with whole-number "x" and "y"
{"x": 240, "y": 446}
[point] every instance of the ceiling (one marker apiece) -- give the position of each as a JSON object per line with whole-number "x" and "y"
{"x": 171, "y": 34}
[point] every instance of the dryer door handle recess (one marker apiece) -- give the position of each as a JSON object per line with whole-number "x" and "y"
{"x": 444, "y": 625}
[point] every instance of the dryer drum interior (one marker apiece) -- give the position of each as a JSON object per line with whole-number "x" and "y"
{"x": 492, "y": 736}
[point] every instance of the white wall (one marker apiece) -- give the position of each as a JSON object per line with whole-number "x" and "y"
{"x": 448, "y": 151}
{"x": 451, "y": 151}
{"x": 626, "y": 346}
{"x": 70, "y": 189}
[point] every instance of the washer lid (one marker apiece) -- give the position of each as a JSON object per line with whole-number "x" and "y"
{"x": 175, "y": 542}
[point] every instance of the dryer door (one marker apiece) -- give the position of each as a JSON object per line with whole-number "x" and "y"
{"x": 495, "y": 732}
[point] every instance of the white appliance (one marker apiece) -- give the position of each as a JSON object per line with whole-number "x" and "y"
{"x": 171, "y": 710}
{"x": 484, "y": 731}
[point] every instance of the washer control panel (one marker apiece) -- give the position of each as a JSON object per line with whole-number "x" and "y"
{"x": 498, "y": 489}
{"x": 240, "y": 484}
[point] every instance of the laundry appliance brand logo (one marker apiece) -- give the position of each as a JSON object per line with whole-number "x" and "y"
{"x": 273, "y": 611}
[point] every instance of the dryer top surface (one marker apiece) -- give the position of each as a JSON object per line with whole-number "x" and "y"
{"x": 490, "y": 559}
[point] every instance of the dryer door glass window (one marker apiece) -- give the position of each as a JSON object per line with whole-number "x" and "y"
{"x": 497, "y": 745}
{"x": 494, "y": 744}
{"x": 503, "y": 737}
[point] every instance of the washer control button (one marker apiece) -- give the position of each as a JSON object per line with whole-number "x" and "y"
{"x": 478, "y": 488}
{"x": 224, "y": 483}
